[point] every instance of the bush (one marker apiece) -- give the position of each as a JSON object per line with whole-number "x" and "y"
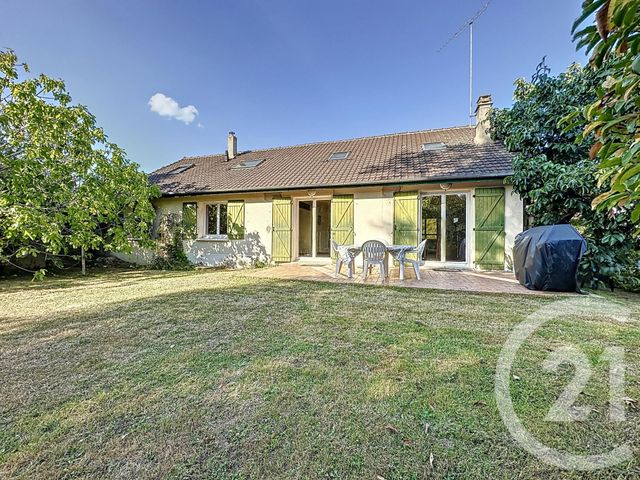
{"x": 629, "y": 277}
{"x": 170, "y": 254}
{"x": 555, "y": 176}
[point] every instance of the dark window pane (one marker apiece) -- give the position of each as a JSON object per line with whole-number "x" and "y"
{"x": 189, "y": 220}
{"x": 212, "y": 219}
{"x": 456, "y": 227}
{"x": 180, "y": 169}
{"x": 431, "y": 228}
{"x": 323, "y": 228}
{"x": 223, "y": 218}
{"x": 305, "y": 229}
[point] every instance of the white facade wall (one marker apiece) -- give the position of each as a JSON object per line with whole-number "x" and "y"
{"x": 514, "y": 222}
{"x": 373, "y": 219}
{"x": 373, "y": 216}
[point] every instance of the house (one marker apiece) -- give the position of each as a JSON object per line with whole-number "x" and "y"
{"x": 285, "y": 204}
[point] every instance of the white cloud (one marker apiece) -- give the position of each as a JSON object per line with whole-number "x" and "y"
{"x": 168, "y": 107}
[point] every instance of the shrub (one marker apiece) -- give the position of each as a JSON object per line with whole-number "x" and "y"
{"x": 170, "y": 254}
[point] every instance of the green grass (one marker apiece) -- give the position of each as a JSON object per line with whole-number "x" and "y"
{"x": 221, "y": 375}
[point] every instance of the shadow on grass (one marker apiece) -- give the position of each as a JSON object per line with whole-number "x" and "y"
{"x": 240, "y": 377}
{"x": 93, "y": 277}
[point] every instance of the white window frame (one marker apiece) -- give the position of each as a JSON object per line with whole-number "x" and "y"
{"x": 214, "y": 236}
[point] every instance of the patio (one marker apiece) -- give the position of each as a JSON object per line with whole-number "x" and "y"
{"x": 461, "y": 280}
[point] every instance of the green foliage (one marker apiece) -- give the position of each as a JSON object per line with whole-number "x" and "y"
{"x": 629, "y": 276}
{"x": 554, "y": 175}
{"x": 170, "y": 253}
{"x": 63, "y": 185}
{"x": 614, "y": 116}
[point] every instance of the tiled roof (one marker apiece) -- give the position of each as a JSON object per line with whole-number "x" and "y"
{"x": 384, "y": 159}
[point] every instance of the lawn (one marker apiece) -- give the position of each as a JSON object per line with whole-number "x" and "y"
{"x": 217, "y": 374}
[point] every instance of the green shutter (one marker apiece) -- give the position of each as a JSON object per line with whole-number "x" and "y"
{"x": 405, "y": 219}
{"x": 235, "y": 220}
{"x": 489, "y": 228}
{"x": 281, "y": 228}
{"x": 189, "y": 220}
{"x": 342, "y": 220}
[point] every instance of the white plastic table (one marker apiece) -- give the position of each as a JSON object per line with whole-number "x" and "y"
{"x": 399, "y": 252}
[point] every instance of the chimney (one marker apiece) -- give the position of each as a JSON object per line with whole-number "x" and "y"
{"x": 485, "y": 103}
{"x": 232, "y": 146}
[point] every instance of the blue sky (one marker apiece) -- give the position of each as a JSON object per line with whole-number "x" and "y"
{"x": 280, "y": 72}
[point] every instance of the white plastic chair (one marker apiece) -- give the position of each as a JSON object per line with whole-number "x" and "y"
{"x": 342, "y": 257}
{"x": 374, "y": 253}
{"x": 416, "y": 263}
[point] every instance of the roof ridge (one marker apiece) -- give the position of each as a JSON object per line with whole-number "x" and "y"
{"x": 458, "y": 127}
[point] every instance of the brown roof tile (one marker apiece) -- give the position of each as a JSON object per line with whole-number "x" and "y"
{"x": 395, "y": 158}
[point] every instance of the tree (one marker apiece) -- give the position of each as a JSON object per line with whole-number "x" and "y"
{"x": 555, "y": 176}
{"x": 63, "y": 185}
{"x": 614, "y": 116}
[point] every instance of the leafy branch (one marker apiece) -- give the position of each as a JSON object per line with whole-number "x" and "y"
{"x": 63, "y": 185}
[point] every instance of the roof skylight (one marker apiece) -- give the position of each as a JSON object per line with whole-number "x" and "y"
{"x": 433, "y": 146}
{"x": 249, "y": 163}
{"x": 339, "y": 156}
{"x": 180, "y": 169}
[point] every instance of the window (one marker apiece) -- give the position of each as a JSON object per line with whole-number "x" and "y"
{"x": 217, "y": 220}
{"x": 339, "y": 156}
{"x": 189, "y": 220}
{"x": 249, "y": 163}
{"x": 434, "y": 146}
{"x": 180, "y": 169}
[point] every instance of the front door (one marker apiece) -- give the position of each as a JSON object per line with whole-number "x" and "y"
{"x": 444, "y": 227}
{"x": 314, "y": 228}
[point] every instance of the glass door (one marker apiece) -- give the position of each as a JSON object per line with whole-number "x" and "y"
{"x": 323, "y": 228}
{"x": 444, "y": 226}
{"x": 305, "y": 229}
{"x": 432, "y": 227}
{"x": 456, "y": 227}
{"x": 314, "y": 228}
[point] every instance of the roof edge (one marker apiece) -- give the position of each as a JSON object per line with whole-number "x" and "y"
{"x": 344, "y": 185}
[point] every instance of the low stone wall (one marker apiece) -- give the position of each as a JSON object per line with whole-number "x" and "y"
{"x": 209, "y": 253}
{"x": 233, "y": 254}
{"x": 138, "y": 256}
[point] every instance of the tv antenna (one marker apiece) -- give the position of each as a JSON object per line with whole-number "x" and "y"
{"x": 468, "y": 24}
